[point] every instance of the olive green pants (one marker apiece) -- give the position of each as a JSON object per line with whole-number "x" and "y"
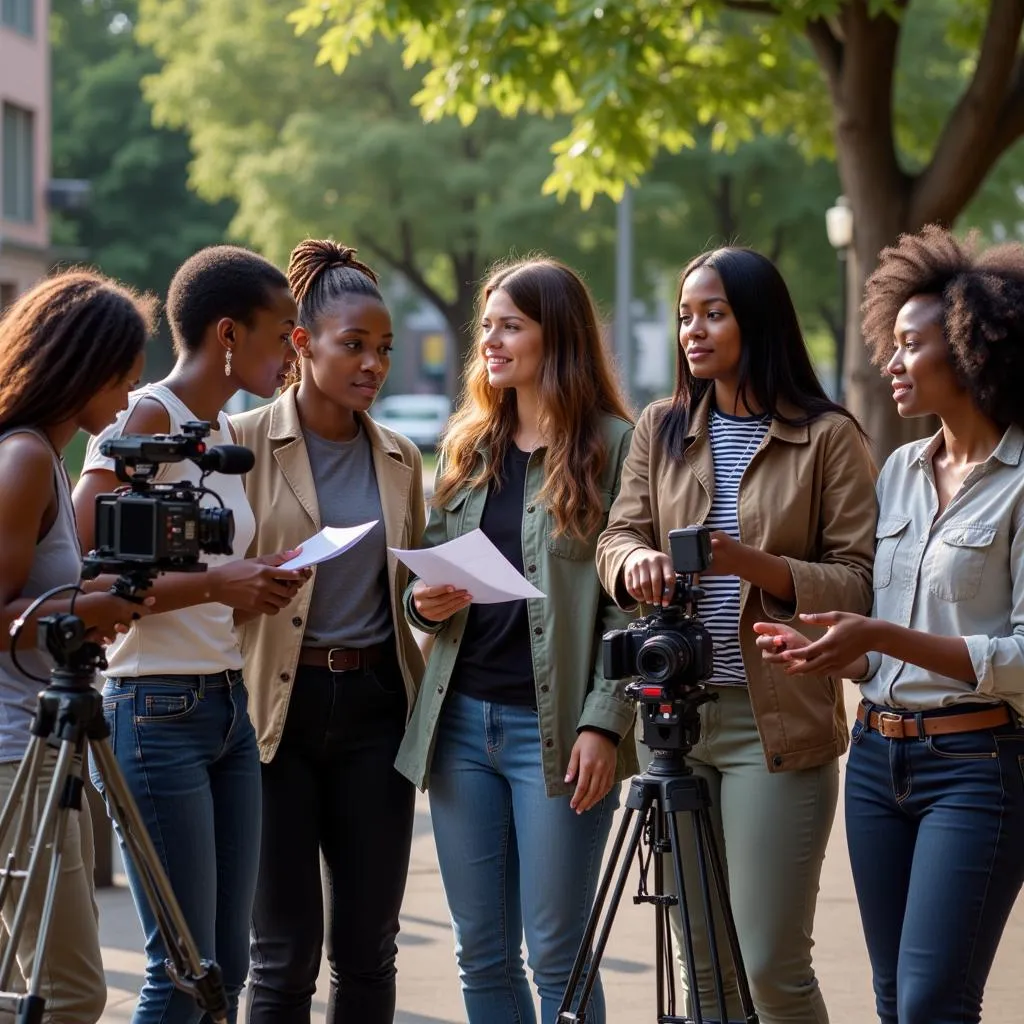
{"x": 771, "y": 830}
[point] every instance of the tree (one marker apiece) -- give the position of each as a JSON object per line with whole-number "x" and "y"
{"x": 307, "y": 153}
{"x": 913, "y": 142}
{"x": 303, "y": 152}
{"x": 702, "y": 197}
{"x": 141, "y": 221}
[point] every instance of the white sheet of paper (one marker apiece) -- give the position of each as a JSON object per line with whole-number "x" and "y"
{"x": 470, "y": 562}
{"x": 330, "y": 542}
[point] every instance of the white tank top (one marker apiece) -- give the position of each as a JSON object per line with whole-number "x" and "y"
{"x": 189, "y": 641}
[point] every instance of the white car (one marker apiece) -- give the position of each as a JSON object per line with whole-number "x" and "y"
{"x": 421, "y": 418}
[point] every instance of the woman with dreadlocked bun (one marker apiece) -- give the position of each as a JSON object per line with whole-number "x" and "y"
{"x": 934, "y": 787}
{"x": 332, "y": 678}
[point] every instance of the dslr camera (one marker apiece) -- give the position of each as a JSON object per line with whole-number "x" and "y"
{"x": 146, "y": 528}
{"x": 670, "y": 653}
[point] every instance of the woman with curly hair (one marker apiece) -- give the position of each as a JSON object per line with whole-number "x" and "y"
{"x": 934, "y": 786}
{"x": 516, "y": 728}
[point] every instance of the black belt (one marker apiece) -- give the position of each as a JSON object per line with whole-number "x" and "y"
{"x": 342, "y": 659}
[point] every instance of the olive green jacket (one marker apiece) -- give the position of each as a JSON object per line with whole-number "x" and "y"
{"x": 565, "y": 629}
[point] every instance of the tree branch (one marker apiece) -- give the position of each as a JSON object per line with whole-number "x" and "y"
{"x": 829, "y": 51}
{"x": 410, "y": 271}
{"x": 1010, "y": 124}
{"x": 964, "y": 152}
{"x": 859, "y": 57}
{"x": 725, "y": 214}
{"x": 752, "y": 6}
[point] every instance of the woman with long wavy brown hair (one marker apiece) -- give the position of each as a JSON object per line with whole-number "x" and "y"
{"x": 516, "y": 729}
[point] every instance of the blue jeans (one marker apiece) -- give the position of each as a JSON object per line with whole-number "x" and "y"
{"x": 188, "y": 753}
{"x": 512, "y": 860}
{"x": 935, "y": 828}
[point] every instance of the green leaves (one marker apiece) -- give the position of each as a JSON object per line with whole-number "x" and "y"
{"x": 639, "y": 76}
{"x": 141, "y": 220}
{"x": 302, "y": 150}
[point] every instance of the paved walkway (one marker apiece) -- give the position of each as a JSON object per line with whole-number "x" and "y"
{"x": 428, "y": 991}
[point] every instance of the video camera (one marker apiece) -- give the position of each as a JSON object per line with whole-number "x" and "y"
{"x": 670, "y": 652}
{"x": 147, "y": 528}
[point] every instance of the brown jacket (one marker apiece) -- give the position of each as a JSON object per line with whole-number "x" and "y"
{"x": 808, "y": 495}
{"x": 283, "y": 497}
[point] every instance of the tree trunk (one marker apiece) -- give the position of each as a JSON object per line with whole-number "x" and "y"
{"x": 878, "y": 223}
{"x": 460, "y": 316}
{"x": 857, "y": 51}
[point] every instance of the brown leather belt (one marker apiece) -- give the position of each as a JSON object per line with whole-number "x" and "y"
{"x": 900, "y": 726}
{"x": 342, "y": 659}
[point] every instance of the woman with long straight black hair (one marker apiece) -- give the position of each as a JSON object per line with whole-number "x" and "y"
{"x": 751, "y": 447}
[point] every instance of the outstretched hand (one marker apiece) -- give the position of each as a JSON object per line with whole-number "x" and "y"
{"x": 775, "y": 640}
{"x": 842, "y": 651}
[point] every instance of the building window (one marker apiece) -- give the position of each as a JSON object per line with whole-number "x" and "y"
{"x": 18, "y": 149}
{"x": 19, "y": 15}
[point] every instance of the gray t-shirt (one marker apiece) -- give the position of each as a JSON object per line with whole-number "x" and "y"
{"x": 57, "y": 560}
{"x": 350, "y": 606}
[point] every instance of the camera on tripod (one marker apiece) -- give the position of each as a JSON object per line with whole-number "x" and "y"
{"x": 670, "y": 652}
{"x": 147, "y": 528}
{"x": 670, "y": 655}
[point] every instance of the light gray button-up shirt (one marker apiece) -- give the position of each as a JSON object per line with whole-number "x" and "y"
{"x": 960, "y": 573}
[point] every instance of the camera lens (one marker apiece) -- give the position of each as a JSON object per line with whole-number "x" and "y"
{"x": 216, "y": 531}
{"x": 664, "y": 657}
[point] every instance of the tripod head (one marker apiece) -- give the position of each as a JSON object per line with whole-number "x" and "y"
{"x": 64, "y": 637}
{"x": 670, "y": 723}
{"x": 76, "y": 659}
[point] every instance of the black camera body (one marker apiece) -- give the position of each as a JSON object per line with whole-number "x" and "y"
{"x": 165, "y": 527}
{"x": 147, "y": 528}
{"x": 670, "y": 652}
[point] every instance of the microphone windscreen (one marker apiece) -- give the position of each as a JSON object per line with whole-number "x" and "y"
{"x": 230, "y": 459}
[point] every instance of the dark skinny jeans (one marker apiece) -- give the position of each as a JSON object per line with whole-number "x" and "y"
{"x": 332, "y": 789}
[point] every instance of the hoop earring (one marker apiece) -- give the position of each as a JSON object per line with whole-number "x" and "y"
{"x": 227, "y": 363}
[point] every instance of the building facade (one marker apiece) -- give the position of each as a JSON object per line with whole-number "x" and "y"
{"x": 24, "y": 144}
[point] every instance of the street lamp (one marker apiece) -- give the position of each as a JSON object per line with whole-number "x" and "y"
{"x": 624, "y": 288}
{"x": 839, "y": 227}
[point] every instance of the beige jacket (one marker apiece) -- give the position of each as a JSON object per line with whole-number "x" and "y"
{"x": 281, "y": 491}
{"x": 807, "y": 495}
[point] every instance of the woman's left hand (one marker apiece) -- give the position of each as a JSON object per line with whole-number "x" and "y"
{"x": 592, "y": 765}
{"x": 846, "y": 642}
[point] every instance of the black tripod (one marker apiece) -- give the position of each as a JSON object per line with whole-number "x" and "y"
{"x": 666, "y": 789}
{"x": 69, "y": 715}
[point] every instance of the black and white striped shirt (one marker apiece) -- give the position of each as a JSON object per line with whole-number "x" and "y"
{"x": 734, "y": 441}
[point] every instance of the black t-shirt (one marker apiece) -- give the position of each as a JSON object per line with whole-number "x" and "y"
{"x": 495, "y": 663}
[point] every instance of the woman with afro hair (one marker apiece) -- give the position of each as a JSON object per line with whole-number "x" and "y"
{"x": 935, "y": 781}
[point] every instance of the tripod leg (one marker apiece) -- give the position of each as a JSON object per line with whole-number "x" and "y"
{"x": 22, "y": 796}
{"x": 186, "y": 968}
{"x": 50, "y": 824}
{"x": 721, "y": 894}
{"x": 684, "y": 913}
{"x": 70, "y": 788}
{"x": 589, "y": 950}
{"x": 703, "y": 839}
{"x": 28, "y": 773}
{"x": 664, "y": 961}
